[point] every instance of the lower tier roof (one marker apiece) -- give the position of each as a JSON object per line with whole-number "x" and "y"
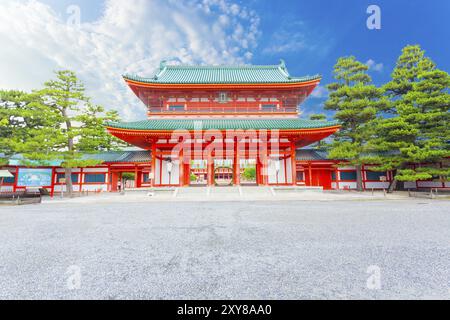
{"x": 222, "y": 124}
{"x": 143, "y": 156}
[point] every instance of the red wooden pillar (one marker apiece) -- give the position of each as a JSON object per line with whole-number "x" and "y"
{"x": 16, "y": 179}
{"x": 310, "y": 174}
{"x": 181, "y": 175}
{"x": 109, "y": 178}
{"x": 139, "y": 178}
{"x": 294, "y": 163}
{"x": 81, "y": 179}
{"x": 363, "y": 176}
{"x": 236, "y": 164}
{"x": 136, "y": 176}
{"x": 153, "y": 167}
{"x": 52, "y": 192}
{"x": 187, "y": 174}
{"x": 258, "y": 172}
{"x": 336, "y": 173}
{"x": 265, "y": 169}
{"x": 114, "y": 181}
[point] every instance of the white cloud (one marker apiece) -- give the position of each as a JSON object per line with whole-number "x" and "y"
{"x": 374, "y": 66}
{"x": 127, "y": 38}
{"x": 319, "y": 92}
{"x": 295, "y": 36}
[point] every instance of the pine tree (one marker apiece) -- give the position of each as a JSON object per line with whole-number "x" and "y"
{"x": 94, "y": 136}
{"x": 356, "y": 102}
{"x": 23, "y": 124}
{"x": 56, "y": 123}
{"x": 319, "y": 117}
{"x": 415, "y": 127}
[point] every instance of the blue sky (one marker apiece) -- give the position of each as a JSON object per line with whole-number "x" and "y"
{"x": 308, "y": 35}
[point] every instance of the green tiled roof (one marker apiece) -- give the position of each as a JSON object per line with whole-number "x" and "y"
{"x": 104, "y": 157}
{"x": 19, "y": 159}
{"x": 222, "y": 124}
{"x": 120, "y": 156}
{"x": 243, "y": 74}
{"x": 311, "y": 155}
{"x": 143, "y": 156}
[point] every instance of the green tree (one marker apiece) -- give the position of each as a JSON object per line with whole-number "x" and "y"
{"x": 356, "y": 102}
{"x": 26, "y": 123}
{"x": 94, "y": 137}
{"x": 249, "y": 173}
{"x": 318, "y": 117}
{"x": 416, "y": 128}
{"x": 56, "y": 123}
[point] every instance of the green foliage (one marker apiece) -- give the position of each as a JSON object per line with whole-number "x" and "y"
{"x": 416, "y": 129}
{"x": 193, "y": 177}
{"x": 128, "y": 176}
{"x": 57, "y": 122}
{"x": 249, "y": 173}
{"x": 94, "y": 136}
{"x": 356, "y": 102}
{"x": 319, "y": 117}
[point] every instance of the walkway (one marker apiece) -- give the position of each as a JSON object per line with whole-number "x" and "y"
{"x": 203, "y": 194}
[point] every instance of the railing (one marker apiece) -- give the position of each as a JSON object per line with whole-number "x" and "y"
{"x": 221, "y": 109}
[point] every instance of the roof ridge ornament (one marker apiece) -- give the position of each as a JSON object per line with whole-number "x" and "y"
{"x": 163, "y": 65}
{"x": 283, "y": 68}
{"x": 162, "y": 68}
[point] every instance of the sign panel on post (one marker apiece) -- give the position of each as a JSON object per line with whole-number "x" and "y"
{"x": 34, "y": 177}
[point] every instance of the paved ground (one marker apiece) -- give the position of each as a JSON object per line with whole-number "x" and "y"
{"x": 203, "y": 194}
{"x": 239, "y": 250}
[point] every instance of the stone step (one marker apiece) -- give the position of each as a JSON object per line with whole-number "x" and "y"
{"x": 292, "y": 189}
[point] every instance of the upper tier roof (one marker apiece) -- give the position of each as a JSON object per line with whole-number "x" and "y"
{"x": 222, "y": 124}
{"x": 221, "y": 74}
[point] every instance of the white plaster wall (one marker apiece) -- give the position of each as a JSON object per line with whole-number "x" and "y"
{"x": 95, "y": 187}
{"x": 74, "y": 170}
{"x": 157, "y": 171}
{"x": 351, "y": 185}
{"x": 347, "y": 168}
{"x": 175, "y": 176}
{"x": 62, "y": 187}
{"x": 96, "y": 170}
{"x": 272, "y": 172}
{"x": 86, "y": 187}
{"x": 6, "y": 188}
{"x": 288, "y": 170}
{"x": 281, "y": 174}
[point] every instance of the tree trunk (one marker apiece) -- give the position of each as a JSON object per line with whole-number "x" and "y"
{"x": 359, "y": 182}
{"x": 394, "y": 182}
{"x": 392, "y": 185}
{"x": 69, "y": 185}
{"x": 70, "y": 145}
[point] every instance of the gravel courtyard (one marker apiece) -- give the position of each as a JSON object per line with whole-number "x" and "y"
{"x": 221, "y": 250}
